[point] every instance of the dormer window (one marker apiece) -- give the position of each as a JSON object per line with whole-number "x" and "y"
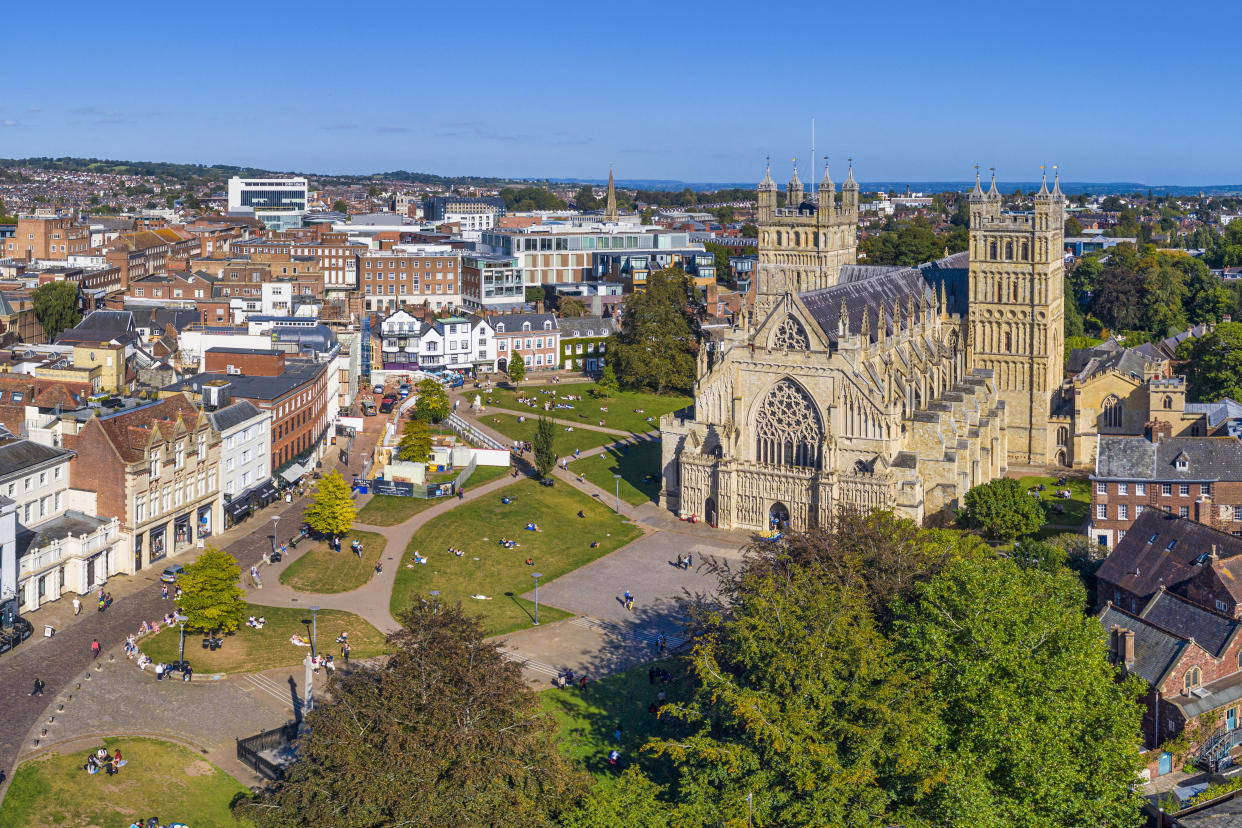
{"x": 500, "y": 327}
{"x": 1194, "y": 678}
{"x": 526, "y": 326}
{"x": 547, "y": 326}
{"x": 1181, "y": 464}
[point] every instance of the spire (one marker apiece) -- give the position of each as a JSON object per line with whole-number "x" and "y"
{"x": 896, "y": 317}
{"x": 993, "y": 193}
{"x": 944, "y": 305}
{"x": 793, "y": 194}
{"x": 767, "y": 183}
{"x": 976, "y": 195}
{"x": 843, "y": 321}
{"x": 610, "y": 209}
{"x": 1056, "y": 184}
{"x": 826, "y": 186}
{"x": 910, "y": 311}
{"x": 1043, "y": 194}
{"x": 881, "y": 325}
{"x": 850, "y": 183}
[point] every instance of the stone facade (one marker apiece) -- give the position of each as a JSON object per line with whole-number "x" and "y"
{"x": 872, "y": 386}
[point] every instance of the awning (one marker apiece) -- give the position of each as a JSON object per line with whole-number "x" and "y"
{"x": 238, "y": 506}
{"x": 266, "y": 492}
{"x": 293, "y": 473}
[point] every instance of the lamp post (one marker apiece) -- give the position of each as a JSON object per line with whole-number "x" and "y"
{"x": 181, "y": 619}
{"x": 617, "y": 477}
{"x": 314, "y": 628}
{"x": 536, "y": 576}
{"x": 275, "y": 524}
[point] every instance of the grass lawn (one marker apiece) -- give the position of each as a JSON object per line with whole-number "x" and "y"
{"x": 249, "y": 650}
{"x": 1076, "y": 508}
{"x": 319, "y": 569}
{"x": 633, "y": 463}
{"x": 562, "y": 545}
{"x": 388, "y": 510}
{"x": 587, "y": 718}
{"x": 565, "y": 441}
{"x": 620, "y": 413}
{"x": 161, "y": 779}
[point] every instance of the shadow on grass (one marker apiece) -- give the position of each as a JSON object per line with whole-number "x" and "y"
{"x": 520, "y": 606}
{"x": 638, "y": 464}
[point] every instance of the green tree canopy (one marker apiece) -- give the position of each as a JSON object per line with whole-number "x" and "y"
{"x": 415, "y": 442}
{"x": 542, "y": 446}
{"x": 1072, "y": 227}
{"x": 210, "y": 596}
{"x": 911, "y": 243}
{"x": 339, "y": 206}
{"x": 332, "y": 510}
{"x": 446, "y": 733}
{"x": 516, "y": 367}
{"x": 56, "y": 307}
{"x": 1002, "y": 509}
{"x": 573, "y": 306}
{"x": 656, "y": 346}
{"x": 1214, "y": 363}
{"x": 535, "y": 293}
{"x": 607, "y": 385}
{"x": 585, "y": 198}
{"x": 432, "y": 402}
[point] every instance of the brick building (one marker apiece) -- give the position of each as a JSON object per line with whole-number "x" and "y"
{"x": 295, "y": 391}
{"x": 534, "y": 335}
{"x": 154, "y": 467}
{"x": 1199, "y": 478}
{"x": 47, "y": 236}
{"x": 410, "y": 275}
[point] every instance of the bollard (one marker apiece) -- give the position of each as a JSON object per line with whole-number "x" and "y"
{"x": 51, "y": 719}
{"x": 88, "y": 677}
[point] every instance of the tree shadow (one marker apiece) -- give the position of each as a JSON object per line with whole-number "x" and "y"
{"x": 638, "y": 464}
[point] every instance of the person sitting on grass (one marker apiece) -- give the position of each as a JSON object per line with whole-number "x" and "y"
{"x": 581, "y": 513}
{"x": 506, "y": 500}
{"x": 422, "y": 559}
{"x": 459, "y": 552}
{"x": 532, "y": 527}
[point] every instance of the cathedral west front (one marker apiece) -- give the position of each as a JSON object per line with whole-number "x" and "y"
{"x": 873, "y": 387}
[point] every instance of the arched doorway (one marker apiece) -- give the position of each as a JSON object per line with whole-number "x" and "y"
{"x": 502, "y": 365}
{"x": 709, "y": 511}
{"x": 778, "y": 517}
{"x": 1061, "y": 460}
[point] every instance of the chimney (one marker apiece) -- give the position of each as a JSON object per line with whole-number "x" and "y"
{"x": 1228, "y": 317}
{"x": 1157, "y": 430}
{"x": 1213, "y": 556}
{"x": 1114, "y": 642}
{"x": 1127, "y": 644}
{"x": 1203, "y": 511}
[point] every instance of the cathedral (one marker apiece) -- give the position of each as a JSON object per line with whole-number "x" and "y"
{"x": 873, "y": 387}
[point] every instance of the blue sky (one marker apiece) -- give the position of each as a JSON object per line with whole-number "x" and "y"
{"x": 1139, "y": 91}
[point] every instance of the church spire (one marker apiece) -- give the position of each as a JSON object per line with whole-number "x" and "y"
{"x": 827, "y": 186}
{"x": 843, "y": 321}
{"x": 1056, "y": 184}
{"x": 793, "y": 194}
{"x": 1043, "y": 194}
{"x": 610, "y": 209}
{"x": 767, "y": 183}
{"x": 976, "y": 195}
{"x": 993, "y": 193}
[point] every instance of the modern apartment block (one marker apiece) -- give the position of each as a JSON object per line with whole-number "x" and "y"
{"x": 472, "y": 214}
{"x": 491, "y": 282}
{"x": 280, "y": 203}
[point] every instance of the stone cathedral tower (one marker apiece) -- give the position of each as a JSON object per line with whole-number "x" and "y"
{"x": 1016, "y": 310}
{"x": 803, "y": 245}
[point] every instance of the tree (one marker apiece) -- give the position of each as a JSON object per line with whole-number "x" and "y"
{"x": 607, "y": 385}
{"x": 543, "y": 446}
{"x": 56, "y": 307}
{"x": 912, "y": 243}
{"x": 585, "y": 198}
{"x": 750, "y": 231}
{"x": 1036, "y": 728}
{"x": 656, "y": 346}
{"x": 1072, "y": 227}
{"x": 446, "y": 733}
{"x": 1002, "y": 510}
{"x": 1214, "y": 363}
{"x": 573, "y": 306}
{"x": 332, "y": 510}
{"x": 535, "y": 293}
{"x": 517, "y": 367}
{"x": 647, "y": 216}
{"x": 432, "y": 402}
{"x": 339, "y": 206}
{"x": 415, "y": 442}
{"x": 210, "y": 596}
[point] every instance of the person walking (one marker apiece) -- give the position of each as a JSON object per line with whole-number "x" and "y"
{"x": 164, "y": 592}
{"x": 38, "y": 688}
{"x": 689, "y": 559}
{"x": 95, "y": 648}
{"x": 77, "y": 605}
{"x": 616, "y": 734}
{"x": 345, "y": 652}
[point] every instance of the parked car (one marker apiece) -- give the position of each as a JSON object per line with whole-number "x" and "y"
{"x": 404, "y": 390}
{"x": 171, "y": 573}
{"x": 368, "y": 408}
{"x": 386, "y": 405}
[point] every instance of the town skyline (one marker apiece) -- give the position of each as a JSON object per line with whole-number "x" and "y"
{"x": 916, "y": 96}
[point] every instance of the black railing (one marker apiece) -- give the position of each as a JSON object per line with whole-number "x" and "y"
{"x": 1210, "y": 756}
{"x": 249, "y": 749}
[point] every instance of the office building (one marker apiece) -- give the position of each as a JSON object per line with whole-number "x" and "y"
{"x": 280, "y": 203}
{"x": 491, "y": 282}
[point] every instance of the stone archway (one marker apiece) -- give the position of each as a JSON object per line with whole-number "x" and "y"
{"x": 778, "y": 516}
{"x": 709, "y": 511}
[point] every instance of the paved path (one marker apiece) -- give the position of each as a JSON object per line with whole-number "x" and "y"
{"x": 536, "y": 412}
{"x": 371, "y": 600}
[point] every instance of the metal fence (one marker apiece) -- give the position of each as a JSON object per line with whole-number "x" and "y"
{"x": 470, "y": 432}
{"x": 249, "y": 749}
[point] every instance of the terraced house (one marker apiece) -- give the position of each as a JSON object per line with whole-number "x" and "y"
{"x": 584, "y": 340}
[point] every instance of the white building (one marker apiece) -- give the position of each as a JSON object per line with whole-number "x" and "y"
{"x": 280, "y": 203}
{"x": 407, "y": 344}
{"x": 245, "y": 443}
{"x": 484, "y": 343}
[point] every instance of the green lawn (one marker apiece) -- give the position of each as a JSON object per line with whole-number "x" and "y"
{"x": 565, "y": 441}
{"x": 319, "y": 569}
{"x": 1076, "y": 508}
{"x": 161, "y": 779}
{"x": 587, "y": 718}
{"x": 387, "y": 510}
{"x": 562, "y": 545}
{"x": 633, "y": 462}
{"x": 249, "y": 650}
{"x": 620, "y": 413}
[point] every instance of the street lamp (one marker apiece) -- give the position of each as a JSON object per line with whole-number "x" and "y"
{"x": 617, "y": 477}
{"x": 275, "y": 523}
{"x": 435, "y": 594}
{"x": 536, "y": 576}
{"x": 181, "y": 619}
{"x": 314, "y": 628}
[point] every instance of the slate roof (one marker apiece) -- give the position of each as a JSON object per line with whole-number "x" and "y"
{"x": 1169, "y": 344}
{"x": 1108, "y": 356}
{"x": 298, "y": 372}
{"x": 1138, "y": 458}
{"x": 157, "y": 318}
{"x": 1142, "y": 561}
{"x": 108, "y": 320}
{"x": 19, "y": 455}
{"x": 130, "y": 430}
{"x": 867, "y": 292}
{"x": 232, "y": 415}
{"x": 1155, "y": 649}
{"x": 577, "y": 326}
{"x": 72, "y": 522}
{"x": 1217, "y": 412}
{"x": 1210, "y": 629}
{"x": 513, "y": 321}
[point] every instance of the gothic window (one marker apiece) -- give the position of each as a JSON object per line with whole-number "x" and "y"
{"x": 797, "y": 242}
{"x": 787, "y": 427}
{"x": 1062, "y": 436}
{"x": 1194, "y": 677}
{"x": 1009, "y": 251}
{"x": 1168, "y": 403}
{"x": 791, "y": 336}
{"x": 1111, "y": 411}
{"x": 992, "y": 251}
